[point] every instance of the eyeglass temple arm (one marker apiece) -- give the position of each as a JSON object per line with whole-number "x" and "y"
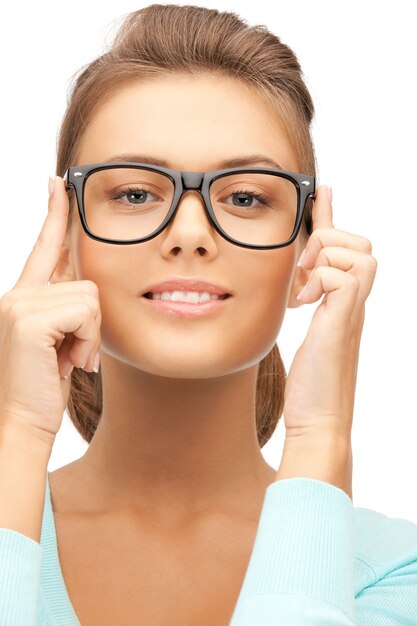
{"x": 68, "y": 186}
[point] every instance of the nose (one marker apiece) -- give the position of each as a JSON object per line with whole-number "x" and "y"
{"x": 191, "y": 208}
{"x": 190, "y": 230}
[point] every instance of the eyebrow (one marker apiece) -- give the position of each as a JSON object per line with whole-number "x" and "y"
{"x": 250, "y": 159}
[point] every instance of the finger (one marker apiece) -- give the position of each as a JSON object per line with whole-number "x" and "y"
{"x": 90, "y": 361}
{"x": 78, "y": 354}
{"x": 67, "y": 348}
{"x": 59, "y": 342}
{"x": 25, "y": 306}
{"x": 73, "y": 287}
{"x": 77, "y": 320}
{"x": 64, "y": 345}
{"x": 63, "y": 352}
{"x": 361, "y": 265}
{"x": 322, "y": 212}
{"x": 341, "y": 291}
{"x": 324, "y": 237}
{"x": 44, "y": 257}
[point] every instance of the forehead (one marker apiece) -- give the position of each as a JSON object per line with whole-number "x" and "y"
{"x": 191, "y": 122}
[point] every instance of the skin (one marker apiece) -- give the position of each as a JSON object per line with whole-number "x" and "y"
{"x": 177, "y": 437}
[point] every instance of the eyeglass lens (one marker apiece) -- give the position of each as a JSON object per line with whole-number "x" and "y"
{"x": 131, "y": 203}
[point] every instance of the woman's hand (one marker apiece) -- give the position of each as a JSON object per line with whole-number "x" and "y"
{"x": 320, "y": 388}
{"x": 45, "y": 330}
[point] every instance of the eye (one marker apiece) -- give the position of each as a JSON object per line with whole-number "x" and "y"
{"x": 244, "y": 198}
{"x": 137, "y": 194}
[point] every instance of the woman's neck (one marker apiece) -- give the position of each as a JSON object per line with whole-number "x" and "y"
{"x": 175, "y": 447}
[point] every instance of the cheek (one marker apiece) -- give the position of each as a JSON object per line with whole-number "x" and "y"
{"x": 265, "y": 310}
{"x": 116, "y": 269}
{"x": 117, "y": 274}
{"x": 240, "y": 338}
{"x": 95, "y": 261}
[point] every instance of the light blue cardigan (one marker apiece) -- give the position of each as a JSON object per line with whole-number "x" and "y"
{"x": 317, "y": 561}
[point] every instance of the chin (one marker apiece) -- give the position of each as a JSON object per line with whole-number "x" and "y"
{"x": 193, "y": 368}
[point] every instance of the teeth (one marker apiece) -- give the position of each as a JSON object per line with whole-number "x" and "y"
{"x": 193, "y": 297}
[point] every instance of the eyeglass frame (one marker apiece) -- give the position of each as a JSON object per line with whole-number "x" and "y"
{"x": 77, "y": 175}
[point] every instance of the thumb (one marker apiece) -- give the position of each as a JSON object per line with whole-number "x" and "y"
{"x": 322, "y": 212}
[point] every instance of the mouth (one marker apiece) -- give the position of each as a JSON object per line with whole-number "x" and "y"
{"x": 186, "y": 304}
{"x": 191, "y": 297}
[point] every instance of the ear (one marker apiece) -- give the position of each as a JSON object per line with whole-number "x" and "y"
{"x": 299, "y": 280}
{"x": 64, "y": 270}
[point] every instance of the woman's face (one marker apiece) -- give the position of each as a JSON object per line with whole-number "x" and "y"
{"x": 193, "y": 124}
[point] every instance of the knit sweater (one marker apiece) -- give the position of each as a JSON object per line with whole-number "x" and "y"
{"x": 317, "y": 560}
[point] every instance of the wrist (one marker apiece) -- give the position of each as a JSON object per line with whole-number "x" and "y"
{"x": 35, "y": 441}
{"x": 322, "y": 456}
{"x": 24, "y": 458}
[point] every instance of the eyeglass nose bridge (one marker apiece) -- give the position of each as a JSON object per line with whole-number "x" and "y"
{"x": 192, "y": 180}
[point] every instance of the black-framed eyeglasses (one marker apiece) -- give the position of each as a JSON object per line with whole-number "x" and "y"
{"x": 128, "y": 202}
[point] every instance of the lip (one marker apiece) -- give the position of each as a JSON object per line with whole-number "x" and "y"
{"x": 186, "y": 309}
{"x": 187, "y": 284}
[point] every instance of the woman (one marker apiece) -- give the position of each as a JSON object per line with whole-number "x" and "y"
{"x": 150, "y": 307}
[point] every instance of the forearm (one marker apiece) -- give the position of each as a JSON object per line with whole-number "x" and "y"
{"x": 324, "y": 457}
{"x": 23, "y": 467}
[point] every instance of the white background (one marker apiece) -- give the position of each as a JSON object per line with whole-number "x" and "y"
{"x": 359, "y": 63}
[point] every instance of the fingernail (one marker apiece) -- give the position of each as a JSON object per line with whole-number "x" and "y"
{"x": 51, "y": 184}
{"x": 96, "y": 362}
{"x": 68, "y": 372}
{"x": 300, "y": 260}
{"x": 302, "y": 292}
{"x": 329, "y": 192}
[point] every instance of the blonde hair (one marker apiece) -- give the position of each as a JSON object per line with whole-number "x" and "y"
{"x": 169, "y": 39}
